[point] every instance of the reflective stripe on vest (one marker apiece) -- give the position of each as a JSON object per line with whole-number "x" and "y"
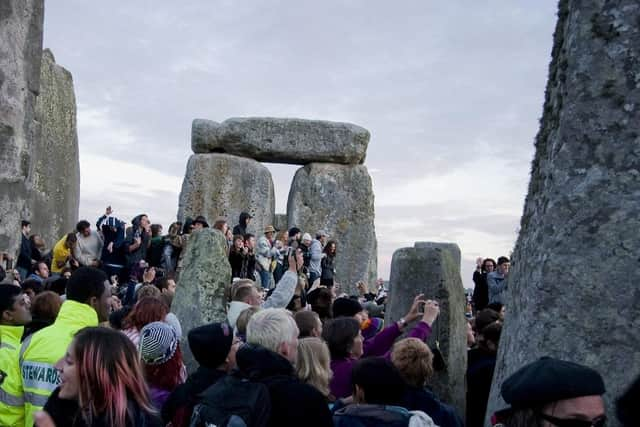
{"x": 7, "y": 345}
{"x": 35, "y": 399}
{"x": 24, "y": 347}
{"x": 9, "y": 399}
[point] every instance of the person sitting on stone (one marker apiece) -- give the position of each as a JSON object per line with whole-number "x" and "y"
{"x": 88, "y": 250}
{"x": 414, "y": 361}
{"x": 243, "y": 223}
{"x": 40, "y": 272}
{"x": 265, "y": 253}
{"x": 554, "y": 392}
{"x": 378, "y": 390}
{"x": 63, "y": 254}
{"x": 497, "y": 281}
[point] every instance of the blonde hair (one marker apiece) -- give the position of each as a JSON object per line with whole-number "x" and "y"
{"x": 244, "y": 317}
{"x": 414, "y": 360}
{"x": 313, "y": 364}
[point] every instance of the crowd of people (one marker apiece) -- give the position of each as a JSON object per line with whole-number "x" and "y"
{"x": 88, "y": 338}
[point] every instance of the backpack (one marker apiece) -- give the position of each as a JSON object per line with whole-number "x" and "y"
{"x": 233, "y": 402}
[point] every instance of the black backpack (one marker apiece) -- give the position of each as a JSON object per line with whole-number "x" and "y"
{"x": 233, "y": 402}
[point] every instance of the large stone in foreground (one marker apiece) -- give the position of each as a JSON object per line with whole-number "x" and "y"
{"x": 573, "y": 289}
{"x": 20, "y": 55}
{"x": 200, "y": 293}
{"x": 277, "y": 140}
{"x": 434, "y": 272}
{"x": 56, "y": 171}
{"x": 224, "y": 185}
{"x": 338, "y": 199}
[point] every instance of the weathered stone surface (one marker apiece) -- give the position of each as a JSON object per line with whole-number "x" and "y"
{"x": 200, "y": 293}
{"x": 20, "y": 54}
{"x": 295, "y": 141}
{"x": 280, "y": 222}
{"x": 338, "y": 199}
{"x": 226, "y": 185}
{"x": 573, "y": 289}
{"x": 452, "y": 247}
{"x": 434, "y": 272}
{"x": 56, "y": 168}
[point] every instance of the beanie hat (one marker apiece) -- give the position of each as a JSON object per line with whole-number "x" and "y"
{"x": 306, "y": 236}
{"x": 346, "y": 307}
{"x": 158, "y": 343}
{"x": 210, "y": 344}
{"x": 371, "y": 327}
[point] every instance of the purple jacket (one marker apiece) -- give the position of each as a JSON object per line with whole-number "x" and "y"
{"x": 158, "y": 397}
{"x": 379, "y": 345}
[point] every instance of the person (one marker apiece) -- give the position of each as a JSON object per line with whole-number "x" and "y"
{"x": 14, "y": 315}
{"x": 88, "y": 250}
{"x": 346, "y": 343}
{"x": 265, "y": 253}
{"x": 200, "y": 223}
{"x": 378, "y": 390}
{"x": 88, "y": 300}
{"x": 250, "y": 256}
{"x": 627, "y": 405}
{"x": 305, "y": 245}
{"x": 146, "y": 310}
{"x": 308, "y": 323}
{"x": 101, "y": 385}
{"x": 313, "y": 365}
{"x": 243, "y": 224}
{"x": 480, "y": 366}
{"x": 315, "y": 255}
{"x": 31, "y": 288}
{"x": 24, "y": 261}
{"x": 137, "y": 240}
{"x": 321, "y": 300}
{"x": 38, "y": 250}
{"x": 480, "y": 296}
{"x": 268, "y": 357}
{"x": 414, "y": 361}
{"x": 214, "y": 348}
{"x": 63, "y": 254}
{"x": 113, "y": 257}
{"x": 40, "y": 272}
{"x": 237, "y": 258}
{"x": 44, "y": 311}
{"x": 161, "y": 361}
{"x": 328, "y": 264}
{"x": 243, "y": 321}
{"x": 221, "y": 225}
{"x": 156, "y": 246}
{"x": 171, "y": 248}
{"x": 554, "y": 392}
{"x": 497, "y": 281}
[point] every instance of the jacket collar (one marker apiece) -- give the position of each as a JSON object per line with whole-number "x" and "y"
{"x": 77, "y": 313}
{"x": 11, "y": 334}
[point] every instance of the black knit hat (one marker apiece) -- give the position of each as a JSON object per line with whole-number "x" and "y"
{"x": 210, "y": 344}
{"x": 549, "y": 380}
{"x": 346, "y": 307}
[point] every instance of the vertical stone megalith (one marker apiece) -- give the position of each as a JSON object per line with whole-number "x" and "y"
{"x": 56, "y": 172}
{"x": 200, "y": 293}
{"x": 338, "y": 199}
{"x": 225, "y": 185}
{"x": 20, "y": 55}
{"x": 573, "y": 289}
{"x": 434, "y": 271}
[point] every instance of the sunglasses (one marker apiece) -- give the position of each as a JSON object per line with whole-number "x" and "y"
{"x": 574, "y": 422}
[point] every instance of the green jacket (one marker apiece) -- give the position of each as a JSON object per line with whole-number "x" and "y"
{"x": 42, "y": 350}
{"x": 11, "y": 398}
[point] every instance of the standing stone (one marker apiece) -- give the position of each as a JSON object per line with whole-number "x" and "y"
{"x": 56, "y": 172}
{"x": 294, "y": 141}
{"x": 434, "y": 272}
{"x": 224, "y": 185}
{"x": 20, "y": 55}
{"x": 280, "y": 222}
{"x": 452, "y": 247}
{"x": 339, "y": 200}
{"x": 200, "y": 293}
{"x": 573, "y": 288}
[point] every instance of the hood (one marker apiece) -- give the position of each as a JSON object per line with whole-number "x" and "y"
{"x": 256, "y": 362}
{"x": 235, "y": 308}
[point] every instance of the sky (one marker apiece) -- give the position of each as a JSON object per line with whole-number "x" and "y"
{"x": 451, "y": 92}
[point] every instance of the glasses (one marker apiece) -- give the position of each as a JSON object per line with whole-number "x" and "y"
{"x": 575, "y": 422}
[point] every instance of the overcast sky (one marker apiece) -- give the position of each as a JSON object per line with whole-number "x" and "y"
{"x": 451, "y": 91}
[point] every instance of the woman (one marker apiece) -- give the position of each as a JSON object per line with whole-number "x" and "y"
{"x": 101, "y": 385}
{"x": 145, "y": 311}
{"x": 237, "y": 255}
{"x": 161, "y": 360}
{"x": 313, "y": 365}
{"x": 328, "y": 264}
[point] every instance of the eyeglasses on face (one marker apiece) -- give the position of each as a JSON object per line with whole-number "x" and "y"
{"x": 575, "y": 422}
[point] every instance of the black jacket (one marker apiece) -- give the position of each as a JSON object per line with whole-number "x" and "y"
{"x": 422, "y": 399}
{"x": 24, "y": 257}
{"x": 480, "y": 291}
{"x": 293, "y": 403}
{"x": 480, "y": 364}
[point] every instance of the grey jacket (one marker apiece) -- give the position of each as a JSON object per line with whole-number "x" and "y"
{"x": 315, "y": 265}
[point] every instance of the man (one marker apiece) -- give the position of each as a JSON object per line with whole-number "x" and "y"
{"x": 40, "y": 272}
{"x": 88, "y": 300}
{"x": 306, "y": 251}
{"x": 246, "y": 294}
{"x": 63, "y": 254}
{"x": 14, "y": 315}
{"x": 268, "y": 357}
{"x": 24, "y": 257}
{"x": 264, "y": 256}
{"x": 88, "y": 250}
{"x": 243, "y": 224}
{"x": 553, "y": 392}
{"x": 137, "y": 240}
{"x": 315, "y": 255}
{"x": 200, "y": 223}
{"x": 496, "y": 281}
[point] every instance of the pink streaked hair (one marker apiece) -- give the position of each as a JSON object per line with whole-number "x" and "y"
{"x": 110, "y": 374}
